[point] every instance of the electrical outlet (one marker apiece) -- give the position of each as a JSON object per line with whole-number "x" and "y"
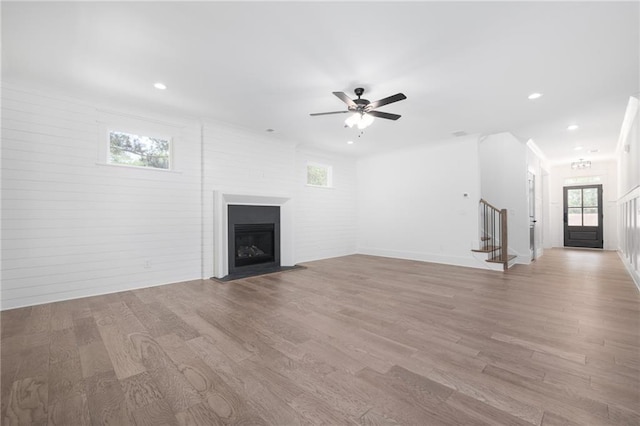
{"x": 147, "y": 264}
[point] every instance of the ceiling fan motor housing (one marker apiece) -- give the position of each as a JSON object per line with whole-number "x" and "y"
{"x": 364, "y": 106}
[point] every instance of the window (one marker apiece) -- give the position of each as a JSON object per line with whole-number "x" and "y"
{"x": 140, "y": 151}
{"x": 582, "y": 206}
{"x": 319, "y": 175}
{"x": 581, "y": 180}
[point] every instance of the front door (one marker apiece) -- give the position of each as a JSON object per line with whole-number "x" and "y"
{"x": 583, "y": 216}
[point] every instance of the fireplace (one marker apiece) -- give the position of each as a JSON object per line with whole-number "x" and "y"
{"x": 253, "y": 239}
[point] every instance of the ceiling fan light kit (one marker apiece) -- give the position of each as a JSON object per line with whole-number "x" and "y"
{"x": 360, "y": 120}
{"x": 363, "y": 110}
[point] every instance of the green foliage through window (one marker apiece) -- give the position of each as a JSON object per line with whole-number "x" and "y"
{"x": 318, "y": 175}
{"x": 141, "y": 151}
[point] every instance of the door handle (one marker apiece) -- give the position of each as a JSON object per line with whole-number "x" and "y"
{"x": 565, "y": 218}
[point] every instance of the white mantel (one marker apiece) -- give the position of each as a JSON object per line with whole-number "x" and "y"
{"x": 221, "y": 201}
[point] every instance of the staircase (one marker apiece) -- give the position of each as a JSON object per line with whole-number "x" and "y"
{"x": 494, "y": 241}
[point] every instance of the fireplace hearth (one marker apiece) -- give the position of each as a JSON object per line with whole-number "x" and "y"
{"x": 254, "y": 240}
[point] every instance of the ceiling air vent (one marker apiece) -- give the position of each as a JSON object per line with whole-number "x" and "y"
{"x": 459, "y": 133}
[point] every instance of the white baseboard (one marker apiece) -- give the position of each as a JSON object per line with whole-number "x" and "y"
{"x": 466, "y": 261}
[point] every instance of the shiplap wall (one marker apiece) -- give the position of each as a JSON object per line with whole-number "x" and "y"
{"x": 72, "y": 227}
{"x": 240, "y": 162}
{"x": 237, "y": 161}
{"x": 325, "y": 217}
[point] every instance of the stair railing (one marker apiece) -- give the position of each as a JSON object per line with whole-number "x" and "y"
{"x": 493, "y": 231}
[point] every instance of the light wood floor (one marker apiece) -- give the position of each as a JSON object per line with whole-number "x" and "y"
{"x": 352, "y": 340}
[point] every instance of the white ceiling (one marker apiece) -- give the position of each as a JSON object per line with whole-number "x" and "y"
{"x": 463, "y": 66}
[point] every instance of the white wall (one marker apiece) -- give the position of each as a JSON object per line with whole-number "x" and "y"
{"x": 325, "y": 217}
{"x": 411, "y": 203}
{"x": 628, "y": 161}
{"x": 539, "y": 169}
{"x": 237, "y": 161}
{"x": 73, "y": 227}
{"x": 607, "y": 172}
{"x": 503, "y": 165}
{"x": 628, "y": 152}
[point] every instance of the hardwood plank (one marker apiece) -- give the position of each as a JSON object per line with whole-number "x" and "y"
{"x": 158, "y": 413}
{"x": 570, "y": 356}
{"x": 481, "y": 412}
{"x": 497, "y": 395}
{"x": 140, "y": 390}
{"x": 73, "y": 410}
{"x": 178, "y": 392}
{"x": 86, "y": 330}
{"x": 199, "y": 415}
{"x": 358, "y": 339}
{"x": 94, "y": 359}
{"x": 14, "y": 322}
{"x": 63, "y": 346}
{"x": 217, "y": 396}
{"x": 39, "y": 320}
{"x": 106, "y": 401}
{"x": 65, "y": 380}
{"x": 372, "y": 418}
{"x": 8, "y": 368}
{"x": 396, "y": 400}
{"x": 28, "y": 402}
{"x": 62, "y": 315}
{"x": 115, "y": 335}
{"x": 267, "y": 404}
{"x": 34, "y": 362}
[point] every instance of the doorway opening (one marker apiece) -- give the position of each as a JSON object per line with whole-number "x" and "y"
{"x": 583, "y": 224}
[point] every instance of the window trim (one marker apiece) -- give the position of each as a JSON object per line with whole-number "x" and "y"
{"x": 128, "y": 130}
{"x": 329, "y": 169}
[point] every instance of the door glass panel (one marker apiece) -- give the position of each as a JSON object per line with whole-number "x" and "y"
{"x": 575, "y": 217}
{"x": 591, "y": 217}
{"x": 590, "y": 197}
{"x": 574, "y": 197}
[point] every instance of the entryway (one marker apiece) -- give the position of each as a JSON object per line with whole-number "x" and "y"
{"x": 583, "y": 216}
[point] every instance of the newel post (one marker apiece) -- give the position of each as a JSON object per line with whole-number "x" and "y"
{"x": 505, "y": 240}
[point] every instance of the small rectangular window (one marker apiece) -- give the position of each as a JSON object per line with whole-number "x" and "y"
{"x": 319, "y": 175}
{"x": 140, "y": 151}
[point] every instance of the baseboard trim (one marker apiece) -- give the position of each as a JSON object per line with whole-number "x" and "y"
{"x": 466, "y": 261}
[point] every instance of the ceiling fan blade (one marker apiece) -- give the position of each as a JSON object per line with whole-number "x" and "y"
{"x": 327, "y": 113}
{"x": 386, "y": 115}
{"x": 346, "y": 99}
{"x": 391, "y": 99}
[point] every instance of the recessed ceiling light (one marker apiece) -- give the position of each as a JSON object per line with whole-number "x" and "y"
{"x": 160, "y": 86}
{"x": 577, "y": 148}
{"x": 535, "y": 95}
{"x": 572, "y": 127}
{"x": 349, "y": 142}
{"x": 269, "y": 130}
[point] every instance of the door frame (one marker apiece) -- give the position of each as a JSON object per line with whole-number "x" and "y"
{"x": 599, "y": 230}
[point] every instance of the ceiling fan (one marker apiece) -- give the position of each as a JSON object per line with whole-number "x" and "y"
{"x": 362, "y": 110}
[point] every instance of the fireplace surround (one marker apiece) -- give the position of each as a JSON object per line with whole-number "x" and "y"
{"x": 221, "y": 202}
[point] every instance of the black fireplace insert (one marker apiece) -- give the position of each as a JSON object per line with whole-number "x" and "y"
{"x": 254, "y": 239}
